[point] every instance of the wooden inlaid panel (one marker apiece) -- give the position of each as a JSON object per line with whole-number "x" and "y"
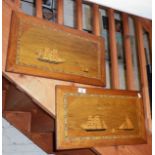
{"x": 87, "y": 117}
{"x": 41, "y": 48}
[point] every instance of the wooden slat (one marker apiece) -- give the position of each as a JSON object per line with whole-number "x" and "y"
{"x": 143, "y": 72}
{"x": 148, "y": 28}
{"x": 39, "y": 8}
{"x": 79, "y": 24}
{"x": 128, "y": 55}
{"x": 96, "y": 20}
{"x": 113, "y": 50}
{"x": 147, "y": 25}
{"x": 150, "y": 45}
{"x": 17, "y": 3}
{"x": 60, "y": 12}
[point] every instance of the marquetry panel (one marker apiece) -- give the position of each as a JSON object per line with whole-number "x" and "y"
{"x": 41, "y": 48}
{"x": 89, "y": 117}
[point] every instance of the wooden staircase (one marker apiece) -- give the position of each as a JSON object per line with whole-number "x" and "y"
{"x": 24, "y": 114}
{"x": 27, "y": 116}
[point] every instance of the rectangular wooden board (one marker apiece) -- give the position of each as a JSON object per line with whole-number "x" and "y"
{"x": 88, "y": 117}
{"x": 41, "y": 48}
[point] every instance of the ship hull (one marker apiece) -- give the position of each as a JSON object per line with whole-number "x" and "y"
{"x": 94, "y": 130}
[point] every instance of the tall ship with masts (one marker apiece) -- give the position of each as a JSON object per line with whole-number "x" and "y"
{"x": 94, "y": 123}
{"x": 50, "y": 56}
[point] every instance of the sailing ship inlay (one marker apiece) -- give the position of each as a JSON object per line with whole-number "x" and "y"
{"x": 94, "y": 123}
{"x": 50, "y": 56}
{"x": 127, "y": 125}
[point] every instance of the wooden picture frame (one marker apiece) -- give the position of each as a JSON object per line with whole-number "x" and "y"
{"x": 41, "y": 48}
{"x": 88, "y": 117}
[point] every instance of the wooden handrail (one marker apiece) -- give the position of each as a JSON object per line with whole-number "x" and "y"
{"x": 128, "y": 53}
{"x": 60, "y": 12}
{"x": 113, "y": 50}
{"x": 79, "y": 23}
{"x": 39, "y": 8}
{"x": 143, "y": 72}
{"x": 96, "y": 20}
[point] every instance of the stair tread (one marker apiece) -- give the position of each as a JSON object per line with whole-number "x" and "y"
{"x": 19, "y": 101}
{"x": 19, "y": 119}
{"x": 32, "y": 120}
{"x": 43, "y": 140}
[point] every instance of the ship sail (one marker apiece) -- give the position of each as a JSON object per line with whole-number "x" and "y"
{"x": 50, "y": 56}
{"x": 104, "y": 126}
{"x": 127, "y": 125}
{"x": 94, "y": 124}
